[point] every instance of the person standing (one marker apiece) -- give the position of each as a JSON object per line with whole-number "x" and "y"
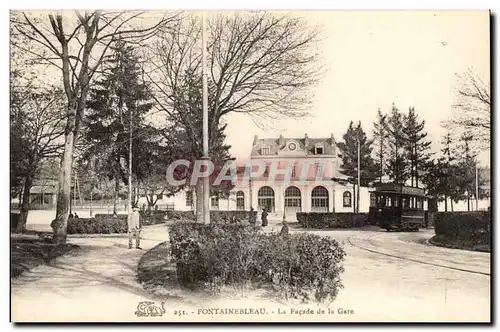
{"x": 251, "y": 218}
{"x": 264, "y": 217}
{"x": 134, "y": 228}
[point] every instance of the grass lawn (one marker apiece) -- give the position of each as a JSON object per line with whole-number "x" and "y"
{"x": 27, "y": 253}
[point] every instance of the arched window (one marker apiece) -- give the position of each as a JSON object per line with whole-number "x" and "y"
{"x": 319, "y": 199}
{"x": 240, "y": 200}
{"x": 292, "y": 197}
{"x": 265, "y": 198}
{"x": 347, "y": 199}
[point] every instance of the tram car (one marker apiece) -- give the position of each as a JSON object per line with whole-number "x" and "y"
{"x": 398, "y": 207}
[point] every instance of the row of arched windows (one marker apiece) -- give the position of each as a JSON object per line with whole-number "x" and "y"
{"x": 265, "y": 198}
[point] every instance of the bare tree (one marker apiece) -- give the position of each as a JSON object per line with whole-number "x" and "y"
{"x": 76, "y": 43}
{"x": 260, "y": 64}
{"x": 472, "y": 108}
{"x": 36, "y": 123}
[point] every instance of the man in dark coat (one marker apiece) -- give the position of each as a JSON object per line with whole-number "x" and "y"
{"x": 264, "y": 217}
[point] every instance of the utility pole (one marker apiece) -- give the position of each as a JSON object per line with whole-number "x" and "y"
{"x": 206, "y": 183}
{"x": 477, "y": 187}
{"x": 359, "y": 175}
{"x": 130, "y": 164}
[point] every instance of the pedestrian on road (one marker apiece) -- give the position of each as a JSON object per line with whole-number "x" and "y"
{"x": 134, "y": 228}
{"x": 76, "y": 216}
{"x": 264, "y": 217}
{"x": 251, "y": 218}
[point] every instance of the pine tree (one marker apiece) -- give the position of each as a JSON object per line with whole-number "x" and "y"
{"x": 116, "y": 98}
{"x": 397, "y": 162}
{"x": 446, "y": 163}
{"x": 349, "y": 148}
{"x": 416, "y": 145}
{"x": 380, "y": 137}
{"x": 466, "y": 165}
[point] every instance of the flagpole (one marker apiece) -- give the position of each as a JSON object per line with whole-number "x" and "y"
{"x": 206, "y": 184}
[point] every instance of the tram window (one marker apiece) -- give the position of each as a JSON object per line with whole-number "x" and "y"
{"x": 412, "y": 202}
{"x": 419, "y": 203}
{"x": 388, "y": 201}
{"x": 406, "y": 202}
{"x": 373, "y": 200}
{"x": 396, "y": 201}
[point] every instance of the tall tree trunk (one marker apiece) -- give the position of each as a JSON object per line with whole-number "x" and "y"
{"x": 25, "y": 205}
{"x": 445, "y": 203}
{"x": 199, "y": 200}
{"x": 60, "y": 223}
{"x": 20, "y": 195}
{"x": 451, "y": 204}
{"x": 468, "y": 201}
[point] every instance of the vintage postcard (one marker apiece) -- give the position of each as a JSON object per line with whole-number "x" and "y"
{"x": 250, "y": 166}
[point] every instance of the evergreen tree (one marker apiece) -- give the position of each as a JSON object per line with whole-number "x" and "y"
{"x": 397, "y": 160}
{"x": 447, "y": 163}
{"x": 380, "y": 137}
{"x": 466, "y": 166}
{"x": 349, "y": 148}
{"x": 416, "y": 145}
{"x": 117, "y": 104}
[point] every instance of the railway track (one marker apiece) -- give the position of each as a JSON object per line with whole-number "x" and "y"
{"x": 349, "y": 239}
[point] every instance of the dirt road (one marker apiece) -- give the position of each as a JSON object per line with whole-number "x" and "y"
{"x": 388, "y": 277}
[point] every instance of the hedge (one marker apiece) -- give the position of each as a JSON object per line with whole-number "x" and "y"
{"x": 472, "y": 228}
{"x": 108, "y": 224}
{"x": 332, "y": 219}
{"x": 303, "y": 266}
{"x": 220, "y": 215}
{"x": 97, "y": 225}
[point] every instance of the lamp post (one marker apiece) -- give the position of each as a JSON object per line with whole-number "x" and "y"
{"x": 359, "y": 175}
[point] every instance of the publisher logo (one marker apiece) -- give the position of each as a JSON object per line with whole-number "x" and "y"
{"x": 149, "y": 309}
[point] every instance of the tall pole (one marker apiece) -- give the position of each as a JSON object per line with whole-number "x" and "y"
{"x": 130, "y": 163}
{"x": 477, "y": 187}
{"x": 359, "y": 176}
{"x": 206, "y": 189}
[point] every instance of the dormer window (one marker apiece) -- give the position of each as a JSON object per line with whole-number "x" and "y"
{"x": 266, "y": 151}
{"x": 318, "y": 149}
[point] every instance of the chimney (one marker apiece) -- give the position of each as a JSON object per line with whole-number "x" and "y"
{"x": 306, "y": 140}
{"x": 255, "y": 138}
{"x": 332, "y": 140}
{"x": 281, "y": 140}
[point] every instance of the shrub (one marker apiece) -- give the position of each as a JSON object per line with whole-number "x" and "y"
{"x": 469, "y": 227}
{"x": 219, "y": 215}
{"x": 152, "y": 217}
{"x": 100, "y": 225}
{"x": 332, "y": 219}
{"x": 298, "y": 265}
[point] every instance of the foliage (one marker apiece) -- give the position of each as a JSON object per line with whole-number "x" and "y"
{"x": 349, "y": 148}
{"x": 380, "y": 139}
{"x": 98, "y": 225}
{"x": 117, "y": 105}
{"x": 302, "y": 266}
{"x": 397, "y": 158}
{"x": 416, "y": 145}
{"x": 472, "y": 228}
{"x": 331, "y": 219}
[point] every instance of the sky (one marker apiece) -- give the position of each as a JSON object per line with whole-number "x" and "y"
{"x": 376, "y": 58}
